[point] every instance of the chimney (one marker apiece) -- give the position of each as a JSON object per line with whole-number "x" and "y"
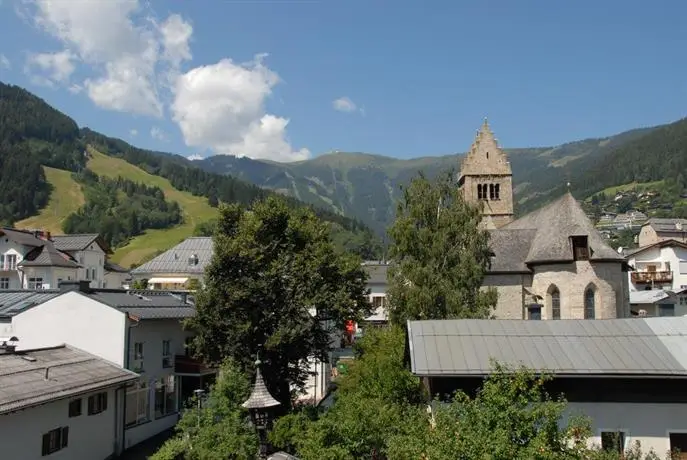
{"x": 80, "y": 286}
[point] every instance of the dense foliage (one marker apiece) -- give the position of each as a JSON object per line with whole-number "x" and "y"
{"x": 272, "y": 267}
{"x": 119, "y": 209}
{"x": 23, "y": 187}
{"x": 439, "y": 254}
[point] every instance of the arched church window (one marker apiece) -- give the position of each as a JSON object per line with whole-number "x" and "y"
{"x": 589, "y": 303}
{"x": 555, "y": 303}
{"x": 479, "y": 192}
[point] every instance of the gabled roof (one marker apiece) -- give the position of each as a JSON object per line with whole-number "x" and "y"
{"x": 555, "y": 223}
{"x": 667, "y": 225}
{"x": 69, "y": 372}
{"x": 661, "y": 244}
{"x": 376, "y": 272}
{"x": 113, "y": 267}
{"x": 48, "y": 256}
{"x": 79, "y": 242}
{"x": 510, "y": 249}
{"x": 23, "y": 237}
{"x": 485, "y": 156}
{"x": 176, "y": 260}
{"x": 17, "y": 301}
{"x": 641, "y": 347}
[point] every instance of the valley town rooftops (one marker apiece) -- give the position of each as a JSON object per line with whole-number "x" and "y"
{"x": 641, "y": 347}
{"x": 190, "y": 256}
{"x": 32, "y": 377}
{"x": 667, "y": 225}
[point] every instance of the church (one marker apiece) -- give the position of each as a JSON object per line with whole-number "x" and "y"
{"x": 549, "y": 264}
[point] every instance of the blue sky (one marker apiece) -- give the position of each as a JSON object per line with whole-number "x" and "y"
{"x": 418, "y": 76}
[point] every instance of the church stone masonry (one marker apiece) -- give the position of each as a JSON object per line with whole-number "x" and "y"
{"x": 486, "y": 177}
{"x": 549, "y": 264}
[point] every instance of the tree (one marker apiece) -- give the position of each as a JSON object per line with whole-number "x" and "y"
{"x": 275, "y": 281}
{"x": 220, "y": 429}
{"x": 439, "y": 255}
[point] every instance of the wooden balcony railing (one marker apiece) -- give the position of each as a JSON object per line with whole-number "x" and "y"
{"x": 190, "y": 366}
{"x": 652, "y": 277}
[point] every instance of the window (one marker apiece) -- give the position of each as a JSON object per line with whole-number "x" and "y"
{"x": 167, "y": 354}
{"x": 480, "y": 194}
{"x": 667, "y": 309}
{"x": 534, "y": 311}
{"x": 92, "y": 273}
{"x": 75, "y": 408}
{"x": 378, "y": 301}
{"x": 165, "y": 396}
{"x": 10, "y": 262}
{"x": 589, "y": 303}
{"x": 491, "y": 191}
{"x": 555, "y": 304}
{"x": 580, "y": 247}
{"x": 683, "y": 267}
{"x": 137, "y": 404}
{"x": 137, "y": 364}
{"x": 497, "y": 191}
{"x": 97, "y": 403}
{"x": 678, "y": 443}
{"x": 35, "y": 283}
{"x": 613, "y": 441}
{"x": 55, "y": 440}
{"x": 4, "y": 283}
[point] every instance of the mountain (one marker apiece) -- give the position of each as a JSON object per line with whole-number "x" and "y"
{"x": 56, "y": 175}
{"x": 366, "y": 186}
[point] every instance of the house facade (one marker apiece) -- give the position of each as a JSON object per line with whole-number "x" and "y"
{"x": 175, "y": 268}
{"x": 658, "y": 302}
{"x": 116, "y": 276}
{"x": 662, "y": 229}
{"x": 90, "y": 252}
{"x": 137, "y": 330}
{"x": 661, "y": 265}
{"x": 616, "y": 389}
{"x": 61, "y": 402}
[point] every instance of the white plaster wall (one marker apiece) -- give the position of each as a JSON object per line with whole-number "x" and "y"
{"x": 115, "y": 280}
{"x": 647, "y": 423}
{"x": 77, "y": 320}
{"x": 659, "y": 257}
{"x": 50, "y": 275}
{"x": 378, "y": 290}
{"x": 147, "y": 276}
{"x": 90, "y": 437}
{"x": 8, "y": 247}
{"x": 92, "y": 257}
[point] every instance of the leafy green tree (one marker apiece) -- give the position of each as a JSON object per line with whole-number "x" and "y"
{"x": 439, "y": 254}
{"x": 275, "y": 280}
{"x": 220, "y": 429}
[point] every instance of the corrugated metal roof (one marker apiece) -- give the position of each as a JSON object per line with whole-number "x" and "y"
{"x": 654, "y": 295}
{"x": 70, "y": 372}
{"x": 14, "y": 302}
{"x": 176, "y": 260}
{"x": 76, "y": 242}
{"x": 48, "y": 256}
{"x": 650, "y": 346}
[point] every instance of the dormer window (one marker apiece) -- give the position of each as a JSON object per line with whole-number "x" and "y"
{"x": 580, "y": 247}
{"x": 193, "y": 260}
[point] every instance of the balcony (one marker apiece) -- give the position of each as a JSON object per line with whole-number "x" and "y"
{"x": 652, "y": 277}
{"x": 185, "y": 365}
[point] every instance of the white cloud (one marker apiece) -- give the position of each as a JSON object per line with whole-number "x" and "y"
{"x": 133, "y": 132}
{"x": 344, "y": 104}
{"x": 54, "y": 67}
{"x": 5, "y": 63}
{"x": 176, "y": 34}
{"x": 158, "y": 134}
{"x": 221, "y": 107}
{"x": 195, "y": 156}
{"x": 75, "y": 88}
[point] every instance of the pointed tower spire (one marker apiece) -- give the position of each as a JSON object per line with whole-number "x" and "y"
{"x": 260, "y": 397}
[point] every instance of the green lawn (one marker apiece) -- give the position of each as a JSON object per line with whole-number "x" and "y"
{"x": 65, "y": 198}
{"x": 195, "y": 208}
{"x": 611, "y": 191}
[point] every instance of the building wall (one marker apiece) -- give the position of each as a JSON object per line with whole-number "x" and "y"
{"x": 378, "y": 290}
{"x": 572, "y": 279}
{"x": 152, "y": 333}
{"x": 510, "y": 288}
{"x": 659, "y": 257}
{"x": 182, "y": 277}
{"x": 91, "y": 437}
{"x": 91, "y": 258}
{"x": 647, "y": 236}
{"x": 9, "y": 247}
{"x": 501, "y": 210}
{"x": 51, "y": 276}
{"x": 116, "y": 280}
{"x": 74, "y": 319}
{"x": 648, "y": 423}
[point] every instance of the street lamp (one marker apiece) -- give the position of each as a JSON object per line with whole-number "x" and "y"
{"x": 260, "y": 404}
{"x": 199, "y": 394}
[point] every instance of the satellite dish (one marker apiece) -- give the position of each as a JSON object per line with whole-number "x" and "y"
{"x": 678, "y": 225}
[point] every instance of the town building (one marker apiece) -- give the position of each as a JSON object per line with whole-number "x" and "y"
{"x": 90, "y": 251}
{"x": 660, "y": 265}
{"x": 662, "y": 229}
{"x": 60, "y": 402}
{"x": 173, "y": 269}
{"x": 486, "y": 177}
{"x": 627, "y": 375}
{"x": 136, "y": 330}
{"x": 116, "y": 276}
{"x": 658, "y": 302}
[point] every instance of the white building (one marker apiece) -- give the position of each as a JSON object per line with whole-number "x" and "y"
{"x": 661, "y": 265}
{"x": 30, "y": 260}
{"x": 90, "y": 252}
{"x": 116, "y": 276}
{"x": 136, "y": 330}
{"x": 173, "y": 269}
{"x": 60, "y": 402}
{"x": 659, "y": 302}
{"x": 627, "y": 375}
{"x": 377, "y": 285}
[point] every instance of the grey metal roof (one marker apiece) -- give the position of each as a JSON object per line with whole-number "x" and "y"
{"x": 23, "y": 237}
{"x": 113, "y": 267}
{"x": 17, "y": 301}
{"x": 145, "y": 304}
{"x": 70, "y": 372}
{"x": 176, "y": 260}
{"x": 660, "y": 244}
{"x": 376, "y": 272}
{"x": 48, "y": 256}
{"x": 555, "y": 223}
{"x": 77, "y": 242}
{"x": 632, "y": 346}
{"x": 667, "y": 225}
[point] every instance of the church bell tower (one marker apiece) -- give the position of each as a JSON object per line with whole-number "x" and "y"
{"x": 486, "y": 177}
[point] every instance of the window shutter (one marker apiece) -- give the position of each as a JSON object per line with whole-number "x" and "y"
{"x": 65, "y": 436}
{"x": 46, "y": 444}
{"x": 104, "y": 405}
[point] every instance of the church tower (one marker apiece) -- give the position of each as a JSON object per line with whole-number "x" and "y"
{"x": 486, "y": 177}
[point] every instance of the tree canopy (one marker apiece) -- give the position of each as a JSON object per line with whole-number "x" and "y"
{"x": 439, "y": 255}
{"x": 275, "y": 281}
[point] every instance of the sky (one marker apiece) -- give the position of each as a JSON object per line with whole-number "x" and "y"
{"x": 290, "y": 80}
